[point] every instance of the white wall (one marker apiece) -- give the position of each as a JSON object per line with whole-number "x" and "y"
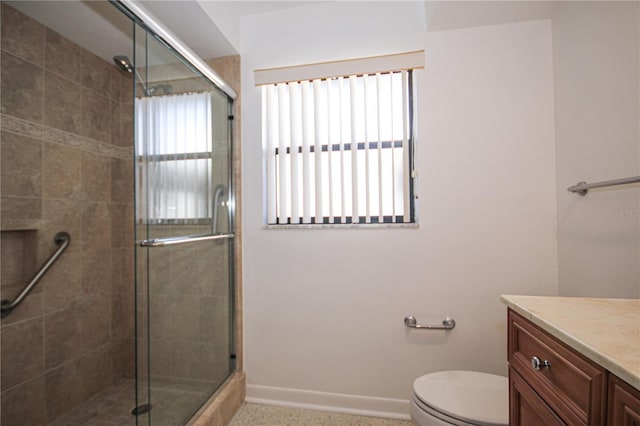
{"x": 225, "y": 16}
{"x": 596, "y": 74}
{"x": 324, "y": 308}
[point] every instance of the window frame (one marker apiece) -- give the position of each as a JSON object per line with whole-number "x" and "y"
{"x": 388, "y": 220}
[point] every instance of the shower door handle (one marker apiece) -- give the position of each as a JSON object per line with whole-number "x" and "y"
{"x": 161, "y": 242}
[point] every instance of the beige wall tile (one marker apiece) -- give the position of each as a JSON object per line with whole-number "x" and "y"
{"x": 62, "y": 103}
{"x": 96, "y": 226}
{"x": 79, "y": 355}
{"x": 21, "y": 166}
{"x": 22, "y": 352}
{"x": 126, "y": 87}
{"x": 96, "y": 176}
{"x": 64, "y": 389}
{"x": 128, "y": 265}
{"x": 121, "y": 181}
{"x": 123, "y": 314}
{"x": 115, "y": 137}
{"x": 60, "y": 215}
{"x": 95, "y": 73}
{"x": 22, "y": 88}
{"x": 124, "y": 358}
{"x": 18, "y": 251}
{"x": 126, "y": 125}
{"x": 97, "y": 371}
{"x": 97, "y": 273}
{"x": 25, "y": 404}
{"x": 62, "y": 285}
{"x": 22, "y": 36}
{"x": 22, "y": 210}
{"x": 118, "y": 213}
{"x": 173, "y": 317}
{"x": 62, "y": 171}
{"x": 75, "y": 331}
{"x": 122, "y": 225}
{"x": 62, "y": 56}
{"x": 96, "y": 116}
{"x": 123, "y": 266}
{"x": 214, "y": 320}
{"x": 31, "y": 307}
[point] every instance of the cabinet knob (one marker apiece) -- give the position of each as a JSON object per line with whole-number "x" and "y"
{"x": 538, "y": 365}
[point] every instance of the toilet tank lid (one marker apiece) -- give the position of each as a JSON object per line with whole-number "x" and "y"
{"x": 471, "y": 396}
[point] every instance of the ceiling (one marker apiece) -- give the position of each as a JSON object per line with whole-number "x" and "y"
{"x": 81, "y": 20}
{"x": 100, "y": 28}
{"x": 255, "y": 7}
{"x": 449, "y": 15}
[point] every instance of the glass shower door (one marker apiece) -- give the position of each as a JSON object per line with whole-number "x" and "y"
{"x": 184, "y": 279}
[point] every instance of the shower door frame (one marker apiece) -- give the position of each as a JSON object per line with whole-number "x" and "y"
{"x": 152, "y": 27}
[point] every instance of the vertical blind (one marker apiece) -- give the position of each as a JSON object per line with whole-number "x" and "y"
{"x": 339, "y": 150}
{"x": 174, "y": 147}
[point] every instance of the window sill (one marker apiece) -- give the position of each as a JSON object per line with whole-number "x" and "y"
{"x": 346, "y": 226}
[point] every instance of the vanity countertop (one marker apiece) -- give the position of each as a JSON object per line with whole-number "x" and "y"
{"x": 607, "y": 331}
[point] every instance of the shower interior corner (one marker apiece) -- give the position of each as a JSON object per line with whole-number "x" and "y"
{"x": 111, "y": 326}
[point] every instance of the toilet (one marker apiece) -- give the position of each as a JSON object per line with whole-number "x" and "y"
{"x": 460, "y": 398}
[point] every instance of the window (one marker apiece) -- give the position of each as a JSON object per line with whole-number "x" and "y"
{"x": 174, "y": 157}
{"x": 339, "y": 149}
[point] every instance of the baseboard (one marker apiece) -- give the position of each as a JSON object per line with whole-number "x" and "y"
{"x": 326, "y": 401}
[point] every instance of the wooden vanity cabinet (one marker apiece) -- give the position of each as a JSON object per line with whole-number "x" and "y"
{"x": 526, "y": 407}
{"x": 548, "y": 378}
{"x": 624, "y": 403}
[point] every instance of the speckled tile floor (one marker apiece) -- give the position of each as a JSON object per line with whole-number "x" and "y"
{"x": 269, "y": 415}
{"x": 112, "y": 407}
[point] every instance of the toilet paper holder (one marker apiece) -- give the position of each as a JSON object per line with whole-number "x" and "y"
{"x": 447, "y": 324}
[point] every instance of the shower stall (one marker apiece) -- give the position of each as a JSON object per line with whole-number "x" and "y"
{"x": 117, "y": 218}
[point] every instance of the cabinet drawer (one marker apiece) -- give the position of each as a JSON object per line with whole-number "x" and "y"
{"x": 573, "y": 386}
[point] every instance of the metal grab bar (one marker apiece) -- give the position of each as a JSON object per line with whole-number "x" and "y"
{"x": 172, "y": 241}
{"x": 62, "y": 239}
{"x": 447, "y": 324}
{"x": 220, "y": 191}
{"x": 583, "y": 187}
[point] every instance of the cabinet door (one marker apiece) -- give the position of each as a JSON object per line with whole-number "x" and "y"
{"x": 624, "y": 403}
{"x": 526, "y": 408}
{"x": 572, "y": 385}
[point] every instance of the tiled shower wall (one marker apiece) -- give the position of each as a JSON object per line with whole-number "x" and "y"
{"x": 66, "y": 148}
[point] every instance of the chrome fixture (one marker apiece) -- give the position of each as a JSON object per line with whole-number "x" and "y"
{"x": 538, "y": 365}
{"x": 125, "y": 65}
{"x": 133, "y": 9}
{"x": 62, "y": 239}
{"x": 161, "y": 242}
{"x": 220, "y": 192}
{"x": 447, "y": 324}
{"x": 583, "y": 187}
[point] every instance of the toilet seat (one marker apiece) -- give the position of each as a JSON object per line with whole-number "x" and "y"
{"x": 464, "y": 397}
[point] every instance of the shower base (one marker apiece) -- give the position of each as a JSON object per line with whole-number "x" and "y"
{"x": 112, "y": 406}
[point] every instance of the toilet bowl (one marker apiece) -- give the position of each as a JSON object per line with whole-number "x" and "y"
{"x": 460, "y": 398}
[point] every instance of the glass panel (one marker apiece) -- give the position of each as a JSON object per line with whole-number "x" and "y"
{"x": 184, "y": 305}
{"x": 182, "y": 145}
{"x": 189, "y": 327}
